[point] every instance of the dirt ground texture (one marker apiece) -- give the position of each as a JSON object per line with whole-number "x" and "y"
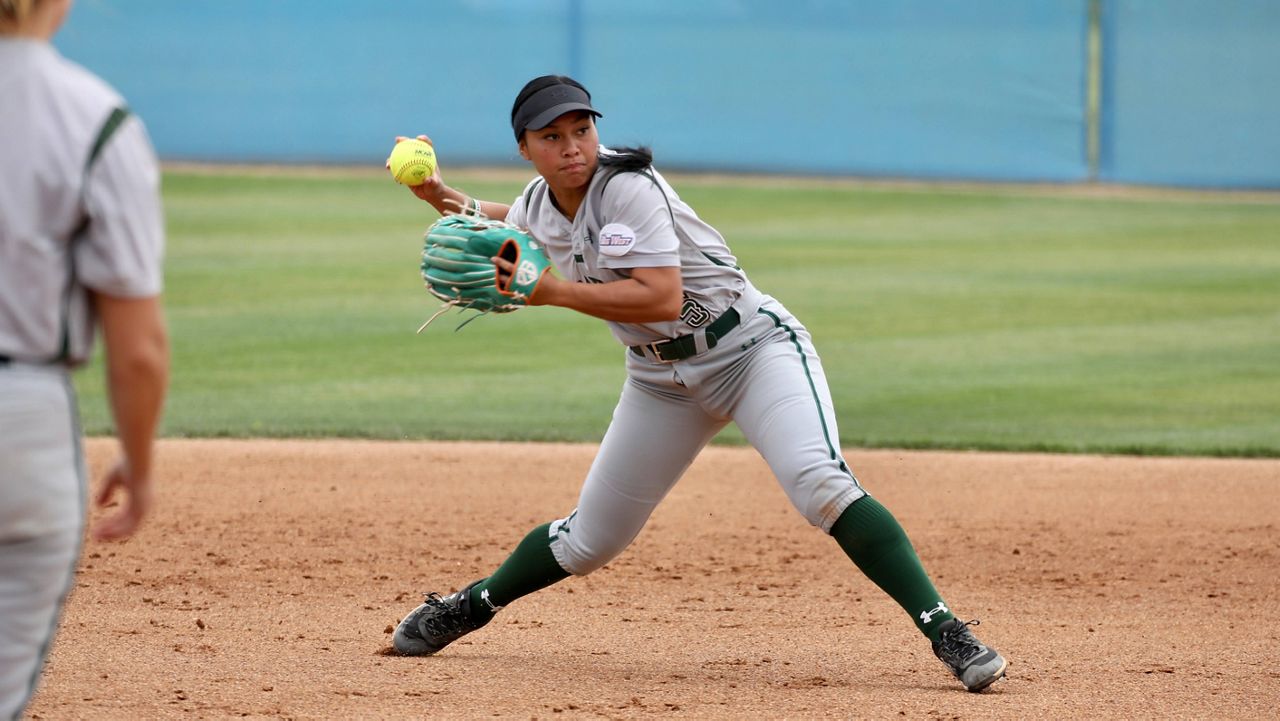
{"x": 268, "y": 580}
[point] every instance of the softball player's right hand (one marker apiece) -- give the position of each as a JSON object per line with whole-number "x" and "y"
{"x": 136, "y": 504}
{"x": 433, "y": 188}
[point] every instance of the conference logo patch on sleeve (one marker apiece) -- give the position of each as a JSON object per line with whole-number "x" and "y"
{"x": 616, "y": 239}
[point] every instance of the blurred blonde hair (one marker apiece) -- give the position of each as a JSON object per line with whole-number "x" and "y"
{"x": 16, "y": 10}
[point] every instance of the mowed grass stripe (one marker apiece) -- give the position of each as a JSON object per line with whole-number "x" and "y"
{"x": 987, "y": 318}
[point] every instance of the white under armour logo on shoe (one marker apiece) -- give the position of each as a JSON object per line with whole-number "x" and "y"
{"x": 927, "y": 616}
{"x": 484, "y": 596}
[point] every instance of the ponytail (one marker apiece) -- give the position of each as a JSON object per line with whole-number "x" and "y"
{"x": 626, "y": 158}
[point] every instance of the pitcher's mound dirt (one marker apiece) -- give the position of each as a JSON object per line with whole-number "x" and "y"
{"x": 270, "y": 577}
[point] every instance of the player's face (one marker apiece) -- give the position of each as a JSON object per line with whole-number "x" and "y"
{"x": 564, "y": 152}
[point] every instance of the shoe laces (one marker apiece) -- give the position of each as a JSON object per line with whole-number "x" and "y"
{"x": 959, "y": 643}
{"x": 448, "y": 618}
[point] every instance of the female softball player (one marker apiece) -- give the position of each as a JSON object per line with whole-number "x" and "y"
{"x": 81, "y": 238}
{"x": 705, "y": 348}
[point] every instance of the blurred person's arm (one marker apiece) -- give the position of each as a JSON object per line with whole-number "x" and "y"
{"x": 137, "y": 376}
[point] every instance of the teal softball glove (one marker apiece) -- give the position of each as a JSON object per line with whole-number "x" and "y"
{"x": 457, "y": 269}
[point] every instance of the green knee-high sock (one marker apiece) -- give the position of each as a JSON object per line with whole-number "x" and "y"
{"x": 531, "y": 567}
{"x": 874, "y": 539}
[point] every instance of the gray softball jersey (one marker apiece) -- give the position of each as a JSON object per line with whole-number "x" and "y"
{"x": 762, "y": 373}
{"x": 79, "y": 211}
{"x": 636, "y": 220}
{"x": 68, "y": 227}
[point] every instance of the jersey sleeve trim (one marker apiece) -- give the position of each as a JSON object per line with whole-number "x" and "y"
{"x": 114, "y": 120}
{"x": 109, "y": 127}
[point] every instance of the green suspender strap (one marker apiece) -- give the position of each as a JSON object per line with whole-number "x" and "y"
{"x": 108, "y": 129}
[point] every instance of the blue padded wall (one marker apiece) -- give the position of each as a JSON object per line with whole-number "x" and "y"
{"x": 1192, "y": 92}
{"x": 984, "y": 89}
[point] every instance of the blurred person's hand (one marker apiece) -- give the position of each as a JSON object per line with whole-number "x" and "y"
{"x": 136, "y": 503}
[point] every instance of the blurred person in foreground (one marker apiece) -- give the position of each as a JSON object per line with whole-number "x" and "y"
{"x": 81, "y": 246}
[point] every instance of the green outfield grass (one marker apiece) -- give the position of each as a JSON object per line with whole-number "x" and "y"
{"x": 946, "y": 318}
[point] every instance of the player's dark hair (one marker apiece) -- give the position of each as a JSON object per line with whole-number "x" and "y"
{"x": 627, "y": 158}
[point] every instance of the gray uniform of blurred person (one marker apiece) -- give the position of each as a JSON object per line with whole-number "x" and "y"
{"x": 81, "y": 244}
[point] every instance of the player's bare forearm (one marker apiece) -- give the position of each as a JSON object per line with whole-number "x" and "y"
{"x": 649, "y": 295}
{"x": 450, "y": 200}
{"x": 456, "y": 201}
{"x": 494, "y": 210}
{"x": 137, "y": 360}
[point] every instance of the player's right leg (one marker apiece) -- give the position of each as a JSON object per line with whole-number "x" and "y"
{"x": 655, "y": 434}
{"x": 41, "y": 521}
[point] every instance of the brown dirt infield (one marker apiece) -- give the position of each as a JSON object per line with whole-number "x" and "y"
{"x": 267, "y": 581}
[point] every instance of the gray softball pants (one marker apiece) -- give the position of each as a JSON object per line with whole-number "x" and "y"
{"x": 42, "y": 495}
{"x": 766, "y": 377}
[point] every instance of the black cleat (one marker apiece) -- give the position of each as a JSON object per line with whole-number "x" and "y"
{"x": 974, "y": 664}
{"x": 435, "y": 624}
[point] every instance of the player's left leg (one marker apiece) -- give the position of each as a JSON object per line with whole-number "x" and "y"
{"x": 41, "y": 522}
{"x": 784, "y": 408}
{"x": 35, "y": 575}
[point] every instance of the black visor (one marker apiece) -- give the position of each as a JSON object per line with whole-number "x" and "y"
{"x": 544, "y": 106}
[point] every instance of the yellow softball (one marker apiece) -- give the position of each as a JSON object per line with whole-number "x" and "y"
{"x": 411, "y": 162}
